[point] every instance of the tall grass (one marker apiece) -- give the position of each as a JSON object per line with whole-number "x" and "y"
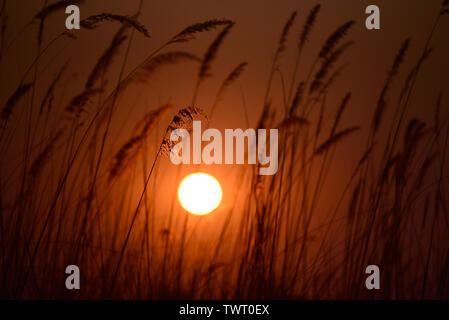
{"x": 73, "y": 196}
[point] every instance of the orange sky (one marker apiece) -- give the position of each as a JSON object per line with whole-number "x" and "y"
{"x": 253, "y": 39}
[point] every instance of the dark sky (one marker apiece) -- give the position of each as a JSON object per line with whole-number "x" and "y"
{"x": 253, "y": 39}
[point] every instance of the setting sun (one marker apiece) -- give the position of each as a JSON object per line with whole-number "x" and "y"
{"x": 200, "y": 193}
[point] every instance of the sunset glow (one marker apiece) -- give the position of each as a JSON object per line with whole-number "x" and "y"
{"x": 200, "y": 193}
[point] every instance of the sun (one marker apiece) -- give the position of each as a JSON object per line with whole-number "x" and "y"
{"x": 200, "y": 193}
